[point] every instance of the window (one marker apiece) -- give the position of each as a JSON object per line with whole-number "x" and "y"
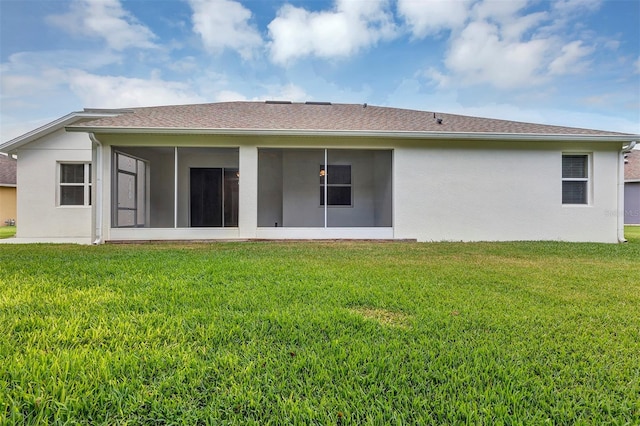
{"x": 75, "y": 184}
{"x": 338, "y": 181}
{"x": 575, "y": 179}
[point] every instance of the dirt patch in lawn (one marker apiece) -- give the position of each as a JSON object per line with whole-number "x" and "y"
{"x": 384, "y": 317}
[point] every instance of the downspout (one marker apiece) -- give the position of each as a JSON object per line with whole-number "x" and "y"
{"x": 625, "y": 149}
{"x": 98, "y": 189}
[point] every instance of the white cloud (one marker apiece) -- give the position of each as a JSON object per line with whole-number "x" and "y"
{"x": 24, "y": 85}
{"x": 439, "y": 78}
{"x": 104, "y": 19}
{"x": 343, "y": 31}
{"x": 229, "y": 96}
{"x": 553, "y": 116}
{"x": 570, "y": 59}
{"x": 565, "y": 11}
{"x": 637, "y": 66}
{"x": 120, "y": 92}
{"x": 480, "y": 55}
{"x": 507, "y": 46}
{"x": 573, "y": 6}
{"x": 225, "y": 24}
{"x": 287, "y": 92}
{"x": 515, "y": 28}
{"x": 28, "y": 75}
{"x": 499, "y": 11}
{"x": 12, "y": 127}
{"x": 433, "y": 17}
{"x": 34, "y": 61}
{"x": 183, "y": 65}
{"x": 454, "y": 101}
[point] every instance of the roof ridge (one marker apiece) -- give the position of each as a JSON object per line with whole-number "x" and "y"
{"x": 311, "y": 118}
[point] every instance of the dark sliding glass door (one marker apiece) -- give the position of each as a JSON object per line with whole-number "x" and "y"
{"x": 213, "y": 197}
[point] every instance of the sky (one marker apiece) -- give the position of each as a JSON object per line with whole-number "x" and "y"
{"x": 568, "y": 62}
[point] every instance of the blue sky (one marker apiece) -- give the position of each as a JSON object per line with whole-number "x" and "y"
{"x": 568, "y": 62}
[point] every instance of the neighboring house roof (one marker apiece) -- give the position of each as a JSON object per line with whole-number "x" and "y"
{"x": 8, "y": 168}
{"x": 311, "y": 118}
{"x": 71, "y": 118}
{"x": 632, "y": 166}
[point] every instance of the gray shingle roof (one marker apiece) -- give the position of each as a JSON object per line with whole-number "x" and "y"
{"x": 319, "y": 117}
{"x": 632, "y": 166}
{"x": 8, "y": 168}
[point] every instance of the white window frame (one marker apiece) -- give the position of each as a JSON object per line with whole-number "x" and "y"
{"x": 586, "y": 180}
{"x": 85, "y": 184}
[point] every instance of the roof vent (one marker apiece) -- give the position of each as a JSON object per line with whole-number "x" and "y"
{"x": 278, "y": 102}
{"x": 317, "y": 103}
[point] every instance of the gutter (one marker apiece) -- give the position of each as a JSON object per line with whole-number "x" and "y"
{"x": 625, "y": 149}
{"x": 356, "y": 133}
{"x": 98, "y": 190}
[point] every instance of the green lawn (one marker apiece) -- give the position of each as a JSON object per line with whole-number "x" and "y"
{"x": 7, "y": 231}
{"x": 320, "y": 333}
{"x": 632, "y": 233}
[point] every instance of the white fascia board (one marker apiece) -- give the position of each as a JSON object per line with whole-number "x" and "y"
{"x": 12, "y": 145}
{"x": 527, "y": 137}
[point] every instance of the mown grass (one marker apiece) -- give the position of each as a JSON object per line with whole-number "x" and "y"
{"x": 632, "y": 233}
{"x": 320, "y": 333}
{"x": 7, "y": 231}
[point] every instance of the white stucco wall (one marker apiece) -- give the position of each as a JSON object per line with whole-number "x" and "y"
{"x": 40, "y": 217}
{"x": 441, "y": 191}
{"x": 501, "y": 191}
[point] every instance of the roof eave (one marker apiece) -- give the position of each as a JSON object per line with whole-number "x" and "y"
{"x": 532, "y": 137}
{"x": 12, "y": 145}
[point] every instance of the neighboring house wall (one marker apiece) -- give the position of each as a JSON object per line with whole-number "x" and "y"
{"x": 7, "y": 204}
{"x": 632, "y": 203}
{"x": 39, "y": 211}
{"x": 8, "y": 167}
{"x": 632, "y": 188}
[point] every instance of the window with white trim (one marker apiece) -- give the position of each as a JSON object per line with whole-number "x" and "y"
{"x": 75, "y": 184}
{"x": 338, "y": 182}
{"x": 575, "y": 179}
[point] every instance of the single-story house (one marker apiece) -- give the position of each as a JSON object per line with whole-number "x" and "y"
{"x": 315, "y": 170}
{"x": 8, "y": 167}
{"x": 632, "y": 188}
